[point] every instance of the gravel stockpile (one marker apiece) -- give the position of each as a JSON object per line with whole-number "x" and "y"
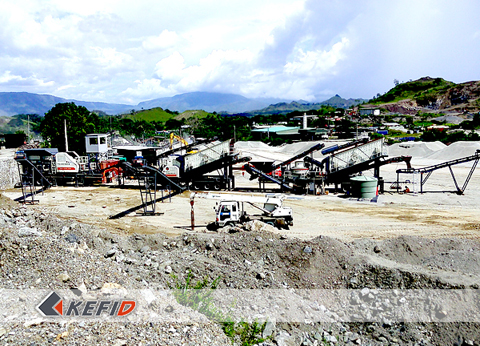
{"x": 41, "y": 250}
{"x": 415, "y": 149}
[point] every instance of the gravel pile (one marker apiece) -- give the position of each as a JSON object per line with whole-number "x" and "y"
{"x": 45, "y": 251}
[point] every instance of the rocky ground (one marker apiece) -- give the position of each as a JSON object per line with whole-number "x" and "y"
{"x": 40, "y": 250}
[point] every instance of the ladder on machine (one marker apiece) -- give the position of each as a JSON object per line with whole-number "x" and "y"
{"x": 148, "y": 192}
{"x": 29, "y": 173}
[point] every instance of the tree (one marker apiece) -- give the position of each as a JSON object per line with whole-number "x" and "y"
{"x": 79, "y": 121}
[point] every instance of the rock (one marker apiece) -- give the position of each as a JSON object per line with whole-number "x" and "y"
{"x": 64, "y": 277}
{"x": 72, "y": 238}
{"x": 365, "y": 291}
{"x": 3, "y": 331}
{"x": 307, "y": 249}
{"x": 260, "y": 276}
{"x": 129, "y": 260}
{"x": 283, "y": 339}
{"x": 28, "y": 232}
{"x": 259, "y": 239}
{"x": 283, "y": 236}
{"x": 112, "y": 288}
{"x": 168, "y": 270}
{"x": 269, "y": 329}
{"x": 111, "y": 252}
{"x": 376, "y": 249}
{"x": 64, "y": 230}
{"x": 61, "y": 336}
{"x": 441, "y": 314}
{"x": 34, "y": 322}
{"x": 169, "y": 308}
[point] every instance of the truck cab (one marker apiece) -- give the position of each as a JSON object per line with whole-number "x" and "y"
{"x": 227, "y": 212}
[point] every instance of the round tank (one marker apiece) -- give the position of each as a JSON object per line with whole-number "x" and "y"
{"x": 363, "y": 186}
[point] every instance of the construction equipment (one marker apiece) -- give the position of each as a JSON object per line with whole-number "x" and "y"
{"x": 274, "y": 172}
{"x": 192, "y": 169}
{"x": 59, "y": 168}
{"x": 231, "y": 210}
{"x": 173, "y": 136}
{"x": 296, "y": 157}
{"x": 149, "y": 180}
{"x": 430, "y": 169}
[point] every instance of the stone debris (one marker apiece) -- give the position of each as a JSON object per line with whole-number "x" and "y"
{"x": 56, "y": 253}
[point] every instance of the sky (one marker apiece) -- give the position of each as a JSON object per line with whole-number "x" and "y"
{"x": 119, "y": 51}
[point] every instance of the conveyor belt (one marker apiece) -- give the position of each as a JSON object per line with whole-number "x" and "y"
{"x": 430, "y": 169}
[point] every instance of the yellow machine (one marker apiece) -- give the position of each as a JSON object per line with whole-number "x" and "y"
{"x": 173, "y": 136}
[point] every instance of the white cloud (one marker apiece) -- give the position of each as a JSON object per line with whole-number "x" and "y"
{"x": 13, "y": 81}
{"x": 118, "y": 51}
{"x": 170, "y": 68}
{"x": 165, "y": 40}
{"x": 110, "y": 59}
{"x": 317, "y": 63}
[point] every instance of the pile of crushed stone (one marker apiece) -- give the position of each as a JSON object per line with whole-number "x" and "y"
{"x": 44, "y": 251}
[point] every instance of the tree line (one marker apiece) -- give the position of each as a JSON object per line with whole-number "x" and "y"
{"x": 79, "y": 121}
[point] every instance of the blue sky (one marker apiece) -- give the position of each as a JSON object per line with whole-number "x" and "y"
{"x": 127, "y": 52}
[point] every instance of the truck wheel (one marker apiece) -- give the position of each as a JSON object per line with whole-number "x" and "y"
{"x": 212, "y": 226}
{"x": 196, "y": 186}
{"x": 206, "y": 186}
{"x": 216, "y": 186}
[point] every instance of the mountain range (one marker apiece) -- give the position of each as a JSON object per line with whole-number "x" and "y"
{"x": 13, "y": 103}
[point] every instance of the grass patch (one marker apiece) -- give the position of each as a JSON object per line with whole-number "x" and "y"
{"x": 154, "y": 114}
{"x": 198, "y": 296}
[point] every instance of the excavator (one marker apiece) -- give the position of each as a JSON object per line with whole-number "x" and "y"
{"x": 173, "y": 136}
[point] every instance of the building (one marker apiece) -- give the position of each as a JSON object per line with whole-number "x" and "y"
{"x": 369, "y": 111}
{"x": 275, "y": 131}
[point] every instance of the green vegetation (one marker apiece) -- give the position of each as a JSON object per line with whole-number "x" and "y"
{"x": 19, "y": 123}
{"x": 198, "y": 296}
{"x": 201, "y": 124}
{"x": 79, "y": 122}
{"x": 424, "y": 91}
{"x": 444, "y": 137}
{"x": 152, "y": 115}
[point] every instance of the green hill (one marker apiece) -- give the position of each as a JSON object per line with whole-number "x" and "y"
{"x": 284, "y": 107}
{"x": 160, "y": 115}
{"x": 430, "y": 95}
{"x": 154, "y": 114}
{"x": 192, "y": 113}
{"x": 423, "y": 91}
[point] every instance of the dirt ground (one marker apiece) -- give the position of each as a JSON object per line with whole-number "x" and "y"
{"x": 437, "y": 213}
{"x": 401, "y": 242}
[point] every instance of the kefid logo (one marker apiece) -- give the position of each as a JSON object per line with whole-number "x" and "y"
{"x": 55, "y": 306}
